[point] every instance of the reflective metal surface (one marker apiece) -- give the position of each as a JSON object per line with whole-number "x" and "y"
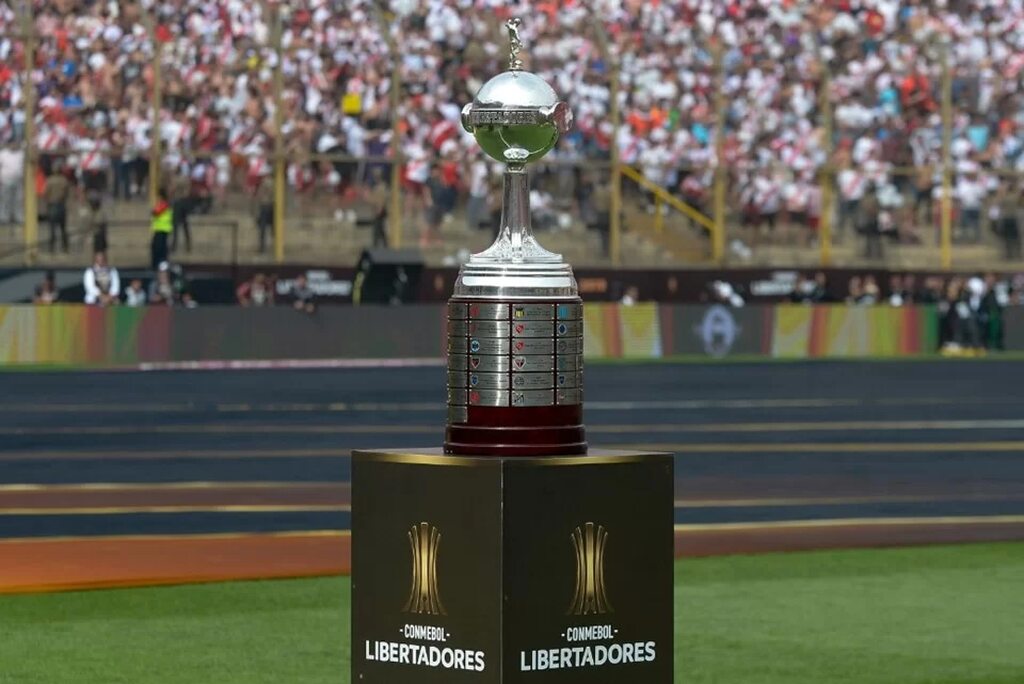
{"x": 565, "y": 363}
{"x": 571, "y": 311}
{"x": 458, "y": 414}
{"x": 573, "y": 345}
{"x": 569, "y": 396}
{"x": 488, "y": 380}
{"x": 515, "y": 322}
{"x": 528, "y": 350}
{"x": 532, "y": 398}
{"x": 484, "y": 311}
{"x": 530, "y": 312}
{"x": 532, "y": 328}
{"x": 568, "y": 380}
{"x": 489, "y": 345}
{"x": 569, "y": 328}
{"x": 538, "y": 345}
{"x": 516, "y": 118}
{"x": 488, "y": 398}
{"x": 485, "y": 363}
{"x": 532, "y": 363}
{"x": 525, "y": 381}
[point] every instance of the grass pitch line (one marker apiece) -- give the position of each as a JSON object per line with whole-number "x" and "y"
{"x": 682, "y": 528}
{"x": 784, "y": 502}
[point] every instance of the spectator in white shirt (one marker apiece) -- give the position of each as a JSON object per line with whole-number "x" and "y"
{"x": 92, "y": 155}
{"x": 970, "y": 192}
{"x": 851, "y": 183}
{"x": 768, "y": 198}
{"x": 12, "y": 174}
{"x": 102, "y": 282}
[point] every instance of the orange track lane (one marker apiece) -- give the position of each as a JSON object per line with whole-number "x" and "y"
{"x": 113, "y": 497}
{"x": 92, "y": 563}
{"x": 36, "y": 565}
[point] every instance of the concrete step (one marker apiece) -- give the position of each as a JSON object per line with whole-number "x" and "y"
{"x": 676, "y": 238}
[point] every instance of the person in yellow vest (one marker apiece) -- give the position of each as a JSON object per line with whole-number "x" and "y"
{"x": 162, "y": 225}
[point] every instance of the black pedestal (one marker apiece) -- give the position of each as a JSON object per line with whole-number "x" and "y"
{"x": 488, "y": 570}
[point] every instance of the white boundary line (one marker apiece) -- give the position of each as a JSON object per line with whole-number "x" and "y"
{"x": 281, "y": 364}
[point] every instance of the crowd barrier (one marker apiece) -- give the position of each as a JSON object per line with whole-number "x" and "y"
{"x": 118, "y": 337}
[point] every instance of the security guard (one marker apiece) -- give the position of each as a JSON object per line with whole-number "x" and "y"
{"x": 181, "y": 207}
{"x": 55, "y": 196}
{"x": 378, "y": 197}
{"x": 265, "y": 209}
{"x": 162, "y": 225}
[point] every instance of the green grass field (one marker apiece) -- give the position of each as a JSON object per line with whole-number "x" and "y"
{"x": 939, "y": 615}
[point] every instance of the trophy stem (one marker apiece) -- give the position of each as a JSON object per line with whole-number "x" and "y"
{"x": 515, "y": 246}
{"x": 515, "y": 211}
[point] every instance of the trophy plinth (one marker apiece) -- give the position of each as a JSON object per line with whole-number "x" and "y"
{"x": 515, "y": 320}
{"x": 475, "y": 570}
{"x": 511, "y": 558}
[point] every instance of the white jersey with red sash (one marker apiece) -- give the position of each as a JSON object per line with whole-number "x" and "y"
{"x": 441, "y": 132}
{"x": 51, "y": 137}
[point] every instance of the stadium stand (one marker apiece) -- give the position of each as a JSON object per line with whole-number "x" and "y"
{"x": 877, "y": 131}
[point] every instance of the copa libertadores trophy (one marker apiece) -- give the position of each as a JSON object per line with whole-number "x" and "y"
{"x": 514, "y": 554}
{"x": 515, "y": 328}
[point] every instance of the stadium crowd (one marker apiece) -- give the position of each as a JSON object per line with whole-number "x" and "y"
{"x": 169, "y": 285}
{"x": 93, "y": 74}
{"x": 970, "y": 309}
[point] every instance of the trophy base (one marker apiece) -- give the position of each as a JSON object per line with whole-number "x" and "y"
{"x": 512, "y": 570}
{"x": 513, "y": 432}
{"x": 515, "y": 377}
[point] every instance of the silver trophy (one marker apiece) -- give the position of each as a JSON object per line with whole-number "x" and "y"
{"x": 517, "y": 118}
{"x": 515, "y": 329}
